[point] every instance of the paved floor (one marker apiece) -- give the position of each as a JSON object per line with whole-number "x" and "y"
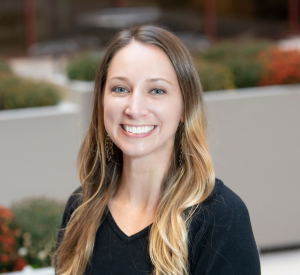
{"x": 281, "y": 263}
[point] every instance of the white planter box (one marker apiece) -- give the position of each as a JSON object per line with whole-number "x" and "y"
{"x": 38, "y": 151}
{"x": 28, "y": 270}
{"x": 82, "y": 93}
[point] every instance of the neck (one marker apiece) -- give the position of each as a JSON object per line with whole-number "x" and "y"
{"x": 142, "y": 178}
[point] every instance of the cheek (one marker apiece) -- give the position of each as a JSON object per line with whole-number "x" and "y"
{"x": 112, "y": 110}
{"x": 169, "y": 114}
{"x": 109, "y": 112}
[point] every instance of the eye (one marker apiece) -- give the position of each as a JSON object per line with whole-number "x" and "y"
{"x": 158, "y": 91}
{"x": 119, "y": 90}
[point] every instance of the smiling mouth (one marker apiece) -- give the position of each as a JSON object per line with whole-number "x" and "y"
{"x": 139, "y": 129}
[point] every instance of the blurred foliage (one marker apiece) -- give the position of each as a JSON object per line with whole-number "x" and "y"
{"x": 246, "y": 71}
{"x": 4, "y": 67}
{"x": 40, "y": 219}
{"x": 224, "y": 51}
{"x": 242, "y": 60}
{"x": 214, "y": 76}
{"x": 17, "y": 92}
{"x": 219, "y": 52}
{"x": 280, "y": 67}
{"x": 84, "y": 66}
{"x": 253, "y": 49}
{"x": 10, "y": 242}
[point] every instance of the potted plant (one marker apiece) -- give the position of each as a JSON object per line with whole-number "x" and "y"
{"x": 11, "y": 257}
{"x": 39, "y": 218}
{"x": 39, "y": 139}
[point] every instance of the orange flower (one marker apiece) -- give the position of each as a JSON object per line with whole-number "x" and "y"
{"x": 281, "y": 67}
{"x": 5, "y": 229}
{"x": 6, "y": 213}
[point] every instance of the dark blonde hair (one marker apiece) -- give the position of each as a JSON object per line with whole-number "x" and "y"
{"x": 184, "y": 186}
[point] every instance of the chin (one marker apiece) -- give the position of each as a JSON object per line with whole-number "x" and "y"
{"x": 135, "y": 154}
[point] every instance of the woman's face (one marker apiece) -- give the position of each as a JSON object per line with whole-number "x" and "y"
{"x": 142, "y": 101}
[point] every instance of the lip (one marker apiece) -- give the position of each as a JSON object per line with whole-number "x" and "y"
{"x": 131, "y": 125}
{"x": 132, "y": 135}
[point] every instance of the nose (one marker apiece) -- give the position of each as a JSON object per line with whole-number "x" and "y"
{"x": 136, "y": 105}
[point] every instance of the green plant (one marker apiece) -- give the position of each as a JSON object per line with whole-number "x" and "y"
{"x": 246, "y": 71}
{"x": 17, "y": 92}
{"x": 225, "y": 51}
{"x": 253, "y": 49}
{"x": 219, "y": 52}
{"x": 242, "y": 60}
{"x": 84, "y": 66}
{"x": 40, "y": 219}
{"x": 4, "y": 67}
{"x": 10, "y": 242}
{"x": 214, "y": 76}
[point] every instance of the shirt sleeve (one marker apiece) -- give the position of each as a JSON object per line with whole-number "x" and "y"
{"x": 224, "y": 243}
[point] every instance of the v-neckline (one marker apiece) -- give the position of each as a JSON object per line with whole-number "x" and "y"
{"x": 121, "y": 234}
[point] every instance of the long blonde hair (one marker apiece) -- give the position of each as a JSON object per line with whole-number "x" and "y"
{"x": 184, "y": 186}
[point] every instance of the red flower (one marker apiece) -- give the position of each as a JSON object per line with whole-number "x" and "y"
{"x": 7, "y": 240}
{"x": 5, "y": 258}
{"x": 7, "y": 247}
{"x": 19, "y": 264}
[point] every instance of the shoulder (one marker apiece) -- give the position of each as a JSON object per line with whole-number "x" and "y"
{"x": 225, "y": 195}
{"x": 223, "y": 205}
{"x": 73, "y": 201}
{"x": 221, "y": 233}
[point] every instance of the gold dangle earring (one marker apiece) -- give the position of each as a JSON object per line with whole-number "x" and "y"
{"x": 181, "y": 125}
{"x": 108, "y": 147}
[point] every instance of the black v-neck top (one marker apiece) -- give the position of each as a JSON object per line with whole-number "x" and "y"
{"x": 121, "y": 234}
{"x": 221, "y": 240}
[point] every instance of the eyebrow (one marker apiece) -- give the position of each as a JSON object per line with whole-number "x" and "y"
{"x": 148, "y": 79}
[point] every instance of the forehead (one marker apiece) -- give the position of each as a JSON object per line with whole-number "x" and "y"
{"x": 141, "y": 60}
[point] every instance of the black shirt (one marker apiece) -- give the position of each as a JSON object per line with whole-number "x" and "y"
{"x": 221, "y": 240}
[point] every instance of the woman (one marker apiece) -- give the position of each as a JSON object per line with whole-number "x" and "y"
{"x": 149, "y": 202}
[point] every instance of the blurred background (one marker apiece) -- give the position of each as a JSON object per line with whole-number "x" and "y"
{"x": 247, "y": 56}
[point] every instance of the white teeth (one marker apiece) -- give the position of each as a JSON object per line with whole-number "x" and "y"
{"x": 138, "y": 130}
